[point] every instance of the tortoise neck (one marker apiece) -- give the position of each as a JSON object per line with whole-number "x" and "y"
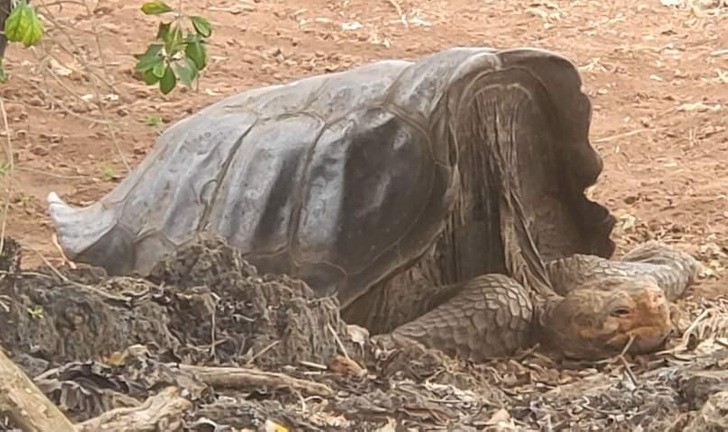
{"x": 545, "y": 307}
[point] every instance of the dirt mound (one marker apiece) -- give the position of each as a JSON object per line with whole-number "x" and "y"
{"x": 204, "y": 305}
{"x": 206, "y": 343}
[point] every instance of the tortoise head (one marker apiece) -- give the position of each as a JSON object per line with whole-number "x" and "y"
{"x": 598, "y": 319}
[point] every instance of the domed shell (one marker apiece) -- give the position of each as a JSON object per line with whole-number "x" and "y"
{"x": 341, "y": 179}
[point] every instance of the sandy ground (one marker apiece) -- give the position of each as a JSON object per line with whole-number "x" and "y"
{"x": 659, "y": 90}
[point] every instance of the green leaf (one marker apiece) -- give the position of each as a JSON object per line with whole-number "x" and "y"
{"x": 3, "y": 79}
{"x": 150, "y": 58}
{"x": 159, "y": 69}
{"x": 196, "y": 52}
{"x": 186, "y": 71}
{"x": 202, "y": 26}
{"x": 149, "y": 77}
{"x": 23, "y": 25}
{"x": 155, "y": 7}
{"x": 168, "y": 81}
{"x": 173, "y": 40}
{"x": 163, "y": 30}
{"x": 192, "y": 37}
{"x": 152, "y": 50}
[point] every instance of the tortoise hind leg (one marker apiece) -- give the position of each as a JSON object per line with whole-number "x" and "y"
{"x": 490, "y": 317}
{"x": 673, "y": 270}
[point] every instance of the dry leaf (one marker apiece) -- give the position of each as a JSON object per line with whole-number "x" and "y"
{"x": 359, "y": 335}
{"x": 355, "y": 25}
{"x": 502, "y": 415}
{"x": 271, "y": 426}
{"x": 391, "y": 426}
{"x": 346, "y": 366}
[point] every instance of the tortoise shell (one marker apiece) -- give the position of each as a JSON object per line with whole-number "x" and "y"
{"x": 346, "y": 179}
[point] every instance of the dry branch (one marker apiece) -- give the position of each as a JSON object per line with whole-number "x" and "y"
{"x": 25, "y": 404}
{"x": 162, "y": 411}
{"x": 234, "y": 377}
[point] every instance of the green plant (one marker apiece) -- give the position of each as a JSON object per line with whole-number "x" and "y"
{"x": 179, "y": 52}
{"x": 26, "y": 200}
{"x": 108, "y": 172}
{"x": 36, "y": 311}
{"x": 154, "y": 121}
{"x": 21, "y": 25}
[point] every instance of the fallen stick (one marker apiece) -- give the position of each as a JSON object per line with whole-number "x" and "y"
{"x": 233, "y": 377}
{"x": 25, "y": 404}
{"x": 162, "y": 411}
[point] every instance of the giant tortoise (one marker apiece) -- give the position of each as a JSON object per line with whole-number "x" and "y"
{"x": 441, "y": 199}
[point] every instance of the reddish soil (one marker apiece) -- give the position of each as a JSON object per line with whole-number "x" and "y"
{"x": 658, "y": 82}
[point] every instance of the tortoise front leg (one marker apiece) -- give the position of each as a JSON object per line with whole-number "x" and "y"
{"x": 673, "y": 270}
{"x": 491, "y": 316}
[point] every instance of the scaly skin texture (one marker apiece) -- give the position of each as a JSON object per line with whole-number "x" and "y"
{"x": 601, "y": 305}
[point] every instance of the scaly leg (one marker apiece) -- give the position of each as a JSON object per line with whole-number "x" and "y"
{"x": 490, "y": 317}
{"x": 673, "y": 270}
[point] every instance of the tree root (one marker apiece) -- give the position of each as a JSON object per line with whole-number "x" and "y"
{"x": 27, "y": 406}
{"x": 23, "y": 402}
{"x": 162, "y": 411}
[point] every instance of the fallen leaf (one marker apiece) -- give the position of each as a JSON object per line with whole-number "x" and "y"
{"x": 271, "y": 426}
{"x": 502, "y": 415}
{"x": 359, "y": 335}
{"x": 389, "y": 427}
{"x": 346, "y": 366}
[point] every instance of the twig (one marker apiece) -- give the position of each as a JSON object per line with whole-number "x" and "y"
{"x": 162, "y": 411}
{"x": 96, "y": 91}
{"x": 627, "y": 346}
{"x": 628, "y": 370}
{"x": 51, "y": 266}
{"x": 8, "y": 174}
{"x": 234, "y": 377}
{"x": 719, "y": 52}
{"x": 693, "y": 325}
{"x": 312, "y": 365}
{"x": 101, "y": 109}
{"x": 261, "y": 352}
{"x": 100, "y": 293}
{"x": 50, "y": 174}
{"x": 397, "y": 8}
{"x": 621, "y": 135}
{"x": 60, "y": 104}
{"x": 27, "y": 273}
{"x": 58, "y": 26}
{"x": 25, "y": 404}
{"x": 61, "y": 3}
{"x": 54, "y": 240}
{"x": 338, "y": 341}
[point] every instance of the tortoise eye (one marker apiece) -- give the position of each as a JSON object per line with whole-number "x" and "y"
{"x": 620, "y": 312}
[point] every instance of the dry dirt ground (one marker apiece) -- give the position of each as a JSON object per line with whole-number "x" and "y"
{"x": 657, "y": 73}
{"x": 659, "y": 94}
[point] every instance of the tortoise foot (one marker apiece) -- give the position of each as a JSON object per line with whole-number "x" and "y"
{"x": 490, "y": 317}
